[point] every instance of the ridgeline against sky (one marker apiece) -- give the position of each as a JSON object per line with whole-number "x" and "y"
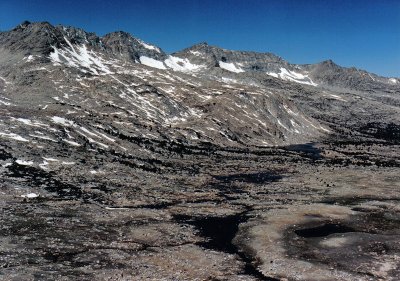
{"x": 364, "y": 34}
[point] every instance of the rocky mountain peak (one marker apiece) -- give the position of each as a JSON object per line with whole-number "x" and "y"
{"x": 23, "y": 25}
{"x": 329, "y": 64}
{"x": 234, "y": 61}
{"x": 123, "y": 44}
{"x": 42, "y": 38}
{"x": 79, "y": 36}
{"x": 201, "y": 45}
{"x": 32, "y": 38}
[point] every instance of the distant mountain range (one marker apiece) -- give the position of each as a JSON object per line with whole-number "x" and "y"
{"x": 119, "y": 85}
{"x": 43, "y": 38}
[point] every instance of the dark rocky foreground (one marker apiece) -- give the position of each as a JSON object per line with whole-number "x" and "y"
{"x": 323, "y": 211}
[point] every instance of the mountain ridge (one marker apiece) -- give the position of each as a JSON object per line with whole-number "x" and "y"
{"x": 163, "y": 55}
{"x": 37, "y": 58}
{"x": 118, "y": 53}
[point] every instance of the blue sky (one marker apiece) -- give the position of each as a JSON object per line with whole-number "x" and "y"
{"x": 364, "y": 33}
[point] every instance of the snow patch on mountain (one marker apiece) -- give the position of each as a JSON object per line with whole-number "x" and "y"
{"x": 30, "y": 58}
{"x": 62, "y": 121}
{"x": 152, "y": 62}
{"x": 30, "y": 122}
{"x": 71, "y": 142}
{"x": 13, "y": 136}
{"x": 4, "y": 102}
{"x": 24, "y": 162}
{"x": 230, "y": 67}
{"x": 196, "y": 53}
{"x": 79, "y": 56}
{"x": 183, "y": 65}
{"x": 30, "y": 195}
{"x": 148, "y": 46}
{"x": 293, "y": 76}
{"x": 336, "y": 97}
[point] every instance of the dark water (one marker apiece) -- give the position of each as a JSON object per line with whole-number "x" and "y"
{"x": 323, "y": 230}
{"x": 219, "y": 232}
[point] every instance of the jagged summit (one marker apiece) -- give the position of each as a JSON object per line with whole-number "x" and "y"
{"x": 123, "y": 43}
{"x": 329, "y": 62}
{"x": 201, "y": 44}
{"x": 32, "y": 38}
{"x": 24, "y": 24}
{"x": 225, "y": 54}
{"x": 42, "y": 39}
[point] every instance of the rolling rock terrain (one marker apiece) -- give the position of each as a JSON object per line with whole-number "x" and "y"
{"x": 121, "y": 162}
